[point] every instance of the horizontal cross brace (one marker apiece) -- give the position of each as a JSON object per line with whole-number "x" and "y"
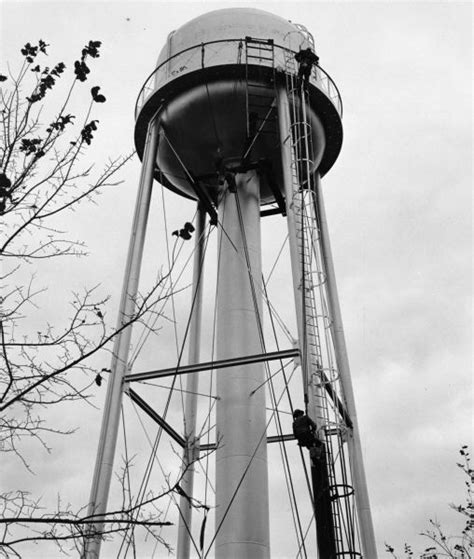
{"x": 280, "y": 438}
{"x": 258, "y": 57}
{"x": 210, "y": 365}
{"x": 258, "y": 40}
{"x": 273, "y": 439}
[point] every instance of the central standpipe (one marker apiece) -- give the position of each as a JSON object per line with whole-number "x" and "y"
{"x": 242, "y": 527}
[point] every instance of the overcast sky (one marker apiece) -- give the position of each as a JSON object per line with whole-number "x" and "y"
{"x": 399, "y": 209}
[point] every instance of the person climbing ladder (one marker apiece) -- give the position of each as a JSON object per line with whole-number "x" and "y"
{"x": 304, "y": 430}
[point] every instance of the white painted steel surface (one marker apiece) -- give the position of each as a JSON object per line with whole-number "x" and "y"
{"x": 242, "y": 515}
{"x": 226, "y": 24}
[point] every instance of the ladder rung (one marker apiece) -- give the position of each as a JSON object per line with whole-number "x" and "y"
{"x": 261, "y": 48}
{"x": 256, "y": 56}
{"x": 249, "y": 39}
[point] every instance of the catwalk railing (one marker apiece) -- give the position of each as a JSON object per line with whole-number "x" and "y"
{"x": 225, "y": 52}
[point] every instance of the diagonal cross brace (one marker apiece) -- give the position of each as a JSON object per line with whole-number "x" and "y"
{"x": 198, "y": 189}
{"x": 155, "y": 416}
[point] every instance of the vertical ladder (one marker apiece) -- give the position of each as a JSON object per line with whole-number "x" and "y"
{"x": 260, "y": 92}
{"x": 301, "y": 166}
{"x": 312, "y": 341}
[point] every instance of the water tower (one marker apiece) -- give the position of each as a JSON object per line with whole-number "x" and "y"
{"x": 225, "y": 120}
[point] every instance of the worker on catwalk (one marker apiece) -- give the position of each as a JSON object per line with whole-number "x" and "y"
{"x": 306, "y": 59}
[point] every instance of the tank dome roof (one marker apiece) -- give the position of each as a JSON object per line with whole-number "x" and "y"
{"x": 233, "y": 23}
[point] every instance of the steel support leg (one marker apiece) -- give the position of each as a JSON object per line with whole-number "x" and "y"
{"x": 191, "y": 451}
{"x": 337, "y": 330}
{"x": 111, "y": 418}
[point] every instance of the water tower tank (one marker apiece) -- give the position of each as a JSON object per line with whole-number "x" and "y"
{"x": 225, "y": 119}
{"x": 214, "y": 92}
